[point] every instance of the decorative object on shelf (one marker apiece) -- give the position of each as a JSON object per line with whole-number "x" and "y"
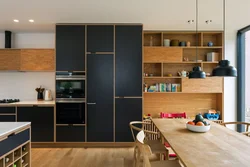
{"x": 151, "y": 43}
{"x": 174, "y": 42}
{"x": 169, "y": 75}
{"x": 166, "y": 42}
{"x": 147, "y": 116}
{"x": 152, "y": 88}
{"x": 208, "y": 74}
{"x": 146, "y": 74}
{"x": 183, "y": 73}
{"x": 151, "y": 75}
{"x": 185, "y": 58}
{"x": 210, "y": 43}
{"x": 188, "y": 43}
{"x": 8, "y": 39}
{"x": 212, "y": 56}
{"x": 182, "y": 43}
{"x": 7, "y": 160}
{"x": 197, "y": 73}
{"x": 145, "y": 87}
{"x": 199, "y": 61}
{"x": 40, "y": 93}
{"x": 224, "y": 69}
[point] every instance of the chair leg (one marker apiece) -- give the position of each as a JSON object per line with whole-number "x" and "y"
{"x": 137, "y": 157}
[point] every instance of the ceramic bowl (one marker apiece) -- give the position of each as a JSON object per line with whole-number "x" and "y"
{"x": 200, "y": 129}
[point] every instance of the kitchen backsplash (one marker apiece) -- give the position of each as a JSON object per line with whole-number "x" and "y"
{"x": 22, "y": 85}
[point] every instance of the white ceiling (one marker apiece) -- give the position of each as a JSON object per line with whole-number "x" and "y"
{"x": 48, "y": 12}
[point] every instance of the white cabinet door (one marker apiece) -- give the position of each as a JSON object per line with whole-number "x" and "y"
{"x": 210, "y": 15}
{"x": 170, "y": 15}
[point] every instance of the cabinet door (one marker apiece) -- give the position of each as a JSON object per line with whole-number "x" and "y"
{"x": 70, "y": 48}
{"x": 175, "y": 16}
{"x": 42, "y": 122}
{"x": 70, "y": 133}
{"x": 10, "y": 59}
{"x": 210, "y": 10}
{"x": 128, "y": 61}
{"x": 100, "y": 38}
{"x": 37, "y": 60}
{"x": 100, "y": 98}
{"x": 126, "y": 110}
{"x": 7, "y": 118}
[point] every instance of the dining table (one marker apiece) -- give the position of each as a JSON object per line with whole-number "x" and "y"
{"x": 218, "y": 147}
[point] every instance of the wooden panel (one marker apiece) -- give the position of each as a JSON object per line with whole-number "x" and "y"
{"x": 220, "y": 105}
{"x": 37, "y": 60}
{"x": 156, "y": 39}
{"x": 152, "y": 68}
{"x": 191, "y": 37}
{"x": 216, "y": 38}
{"x": 9, "y": 59}
{"x": 190, "y": 53}
{"x": 211, "y": 84}
{"x": 208, "y": 67}
{"x": 191, "y": 103}
{"x": 162, "y": 54}
{"x": 175, "y": 68}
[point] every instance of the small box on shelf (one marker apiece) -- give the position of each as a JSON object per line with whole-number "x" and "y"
{"x": 212, "y": 56}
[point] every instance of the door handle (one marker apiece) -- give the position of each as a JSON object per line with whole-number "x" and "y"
{"x": 91, "y": 103}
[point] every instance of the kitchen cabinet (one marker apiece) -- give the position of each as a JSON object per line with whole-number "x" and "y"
{"x": 7, "y": 114}
{"x": 210, "y": 15}
{"x": 100, "y": 97}
{"x": 42, "y": 122}
{"x": 100, "y": 38}
{"x": 7, "y": 118}
{"x": 126, "y": 110}
{"x": 37, "y": 60}
{"x": 7, "y": 110}
{"x": 70, "y": 133}
{"x": 128, "y": 60}
{"x": 9, "y": 59}
{"x": 70, "y": 48}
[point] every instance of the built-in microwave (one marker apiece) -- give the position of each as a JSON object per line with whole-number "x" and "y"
{"x": 70, "y": 85}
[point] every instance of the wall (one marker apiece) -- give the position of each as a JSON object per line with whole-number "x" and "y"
{"x": 247, "y": 100}
{"x": 22, "y": 84}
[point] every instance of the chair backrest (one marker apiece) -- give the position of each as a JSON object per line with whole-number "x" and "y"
{"x": 144, "y": 127}
{"x": 144, "y": 149}
{"x": 239, "y": 123}
{"x": 173, "y": 115}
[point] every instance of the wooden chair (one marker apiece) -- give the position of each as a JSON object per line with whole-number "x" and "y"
{"x": 145, "y": 151}
{"x": 172, "y": 154}
{"x": 157, "y": 147}
{"x": 246, "y": 132}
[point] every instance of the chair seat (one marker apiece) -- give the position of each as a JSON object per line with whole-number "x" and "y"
{"x": 165, "y": 164}
{"x": 171, "y": 152}
{"x": 156, "y": 146}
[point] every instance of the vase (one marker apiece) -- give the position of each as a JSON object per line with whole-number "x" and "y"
{"x": 39, "y": 96}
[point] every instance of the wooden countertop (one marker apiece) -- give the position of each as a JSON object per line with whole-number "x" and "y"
{"x": 218, "y": 147}
{"x": 7, "y": 128}
{"x": 30, "y": 103}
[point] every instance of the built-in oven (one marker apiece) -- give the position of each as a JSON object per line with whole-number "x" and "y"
{"x": 70, "y": 111}
{"x": 70, "y": 98}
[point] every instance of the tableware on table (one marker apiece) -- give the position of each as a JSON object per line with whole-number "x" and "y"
{"x": 166, "y": 42}
{"x": 195, "y": 128}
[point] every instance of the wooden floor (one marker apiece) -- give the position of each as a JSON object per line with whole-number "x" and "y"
{"x": 82, "y": 157}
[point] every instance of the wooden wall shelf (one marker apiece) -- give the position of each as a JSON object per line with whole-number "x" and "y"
{"x": 196, "y": 95}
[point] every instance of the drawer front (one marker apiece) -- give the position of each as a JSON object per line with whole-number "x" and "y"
{"x": 7, "y": 118}
{"x": 7, "y": 110}
{"x": 14, "y": 141}
{"x": 70, "y": 133}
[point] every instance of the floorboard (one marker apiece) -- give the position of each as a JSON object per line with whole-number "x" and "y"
{"x": 82, "y": 157}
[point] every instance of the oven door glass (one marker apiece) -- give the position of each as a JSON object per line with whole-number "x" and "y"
{"x": 70, "y": 88}
{"x": 70, "y": 113}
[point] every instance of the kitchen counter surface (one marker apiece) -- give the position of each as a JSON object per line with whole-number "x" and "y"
{"x": 7, "y": 128}
{"x": 27, "y": 103}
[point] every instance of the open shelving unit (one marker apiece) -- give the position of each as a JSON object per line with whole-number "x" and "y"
{"x": 20, "y": 157}
{"x": 162, "y": 64}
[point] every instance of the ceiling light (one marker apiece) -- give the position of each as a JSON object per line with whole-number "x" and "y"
{"x": 15, "y": 20}
{"x": 32, "y": 21}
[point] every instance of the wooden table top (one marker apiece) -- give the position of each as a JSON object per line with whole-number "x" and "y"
{"x": 219, "y": 147}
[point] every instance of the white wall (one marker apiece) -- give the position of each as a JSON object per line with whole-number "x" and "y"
{"x": 22, "y": 84}
{"x": 247, "y": 100}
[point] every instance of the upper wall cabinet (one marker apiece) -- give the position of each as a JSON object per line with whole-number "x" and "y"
{"x": 210, "y": 15}
{"x": 100, "y": 38}
{"x": 176, "y": 15}
{"x": 70, "y": 48}
{"x": 10, "y": 59}
{"x": 128, "y": 60}
{"x": 37, "y": 60}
